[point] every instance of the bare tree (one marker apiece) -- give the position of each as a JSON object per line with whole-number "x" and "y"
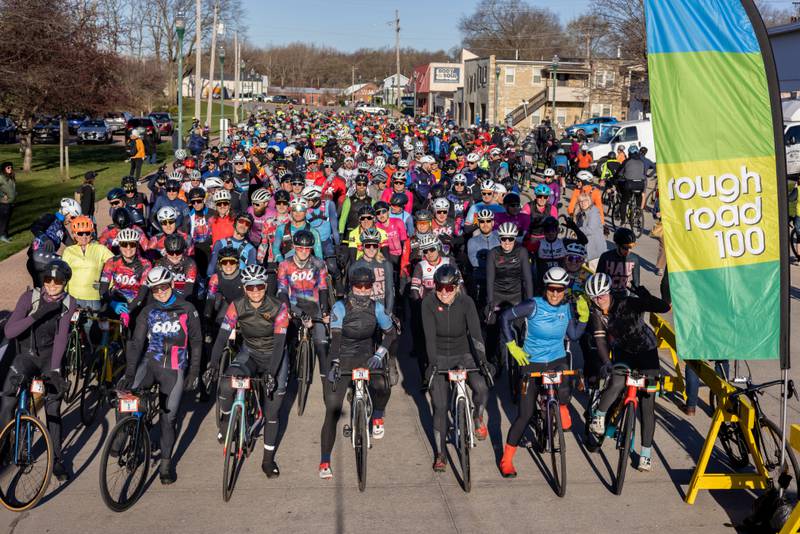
{"x": 626, "y": 27}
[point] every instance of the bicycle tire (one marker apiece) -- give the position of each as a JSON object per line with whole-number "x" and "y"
{"x": 225, "y": 360}
{"x": 616, "y": 215}
{"x": 360, "y": 443}
{"x": 558, "y": 451}
{"x": 7, "y": 439}
{"x": 636, "y": 221}
{"x": 607, "y": 200}
{"x": 232, "y": 454}
{"x": 624, "y": 438}
{"x": 135, "y": 452}
{"x": 72, "y": 372}
{"x": 770, "y": 452}
{"x": 794, "y": 241}
{"x": 90, "y": 397}
{"x": 464, "y": 444}
{"x": 304, "y": 364}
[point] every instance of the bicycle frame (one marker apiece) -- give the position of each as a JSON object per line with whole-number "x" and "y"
{"x": 245, "y": 430}
{"x": 548, "y": 392}
{"x": 22, "y": 409}
{"x": 458, "y": 393}
{"x": 361, "y": 394}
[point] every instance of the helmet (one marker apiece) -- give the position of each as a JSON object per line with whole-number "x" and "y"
{"x": 82, "y": 223}
{"x": 254, "y": 275}
{"x": 194, "y": 174}
{"x": 223, "y": 195}
{"x": 402, "y": 164}
{"x": 261, "y": 195}
{"x": 561, "y": 151}
{"x": 196, "y": 193}
{"x": 597, "y": 285}
{"x": 213, "y": 181}
{"x": 459, "y": 179}
{"x": 446, "y": 274}
{"x": 584, "y": 176}
{"x": 381, "y": 206}
{"x": 441, "y": 204}
{"x": 282, "y": 196}
{"x": 296, "y": 178}
{"x": 508, "y": 229}
{"x": 427, "y": 159}
{"x": 69, "y": 206}
{"x": 167, "y": 213}
{"x": 289, "y": 151}
{"x": 398, "y": 199}
{"x": 228, "y": 253}
{"x": 576, "y": 249}
{"x": 495, "y": 151}
{"x": 511, "y": 199}
{"x": 361, "y": 179}
{"x": 174, "y": 243}
{"x": 499, "y": 188}
{"x": 128, "y": 235}
{"x": 556, "y": 276}
{"x": 299, "y": 204}
{"x": 624, "y": 236}
{"x": 180, "y": 154}
{"x": 129, "y": 183}
{"x": 158, "y": 276}
{"x": 370, "y": 235}
{"x": 244, "y": 216}
{"x": 366, "y": 211}
{"x": 59, "y": 270}
{"x": 311, "y": 158}
{"x": 485, "y": 215}
{"x": 175, "y": 176}
{"x": 312, "y": 192}
{"x": 115, "y": 194}
{"x": 633, "y": 150}
{"x": 399, "y": 176}
{"x": 584, "y": 147}
{"x": 542, "y": 190}
{"x": 488, "y": 185}
{"x": 121, "y": 218}
{"x": 429, "y": 240}
{"x": 548, "y": 172}
{"x": 362, "y": 275}
{"x": 423, "y": 215}
{"x": 303, "y": 238}
{"x": 380, "y": 162}
{"x": 473, "y": 157}
{"x": 550, "y": 222}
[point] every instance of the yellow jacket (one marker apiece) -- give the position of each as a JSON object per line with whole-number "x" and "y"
{"x": 86, "y": 269}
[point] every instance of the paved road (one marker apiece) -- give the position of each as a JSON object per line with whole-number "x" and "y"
{"x": 403, "y": 494}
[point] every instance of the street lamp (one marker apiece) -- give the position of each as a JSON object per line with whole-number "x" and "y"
{"x": 496, "y": 94}
{"x": 221, "y": 86}
{"x": 554, "y": 71}
{"x": 180, "y": 29}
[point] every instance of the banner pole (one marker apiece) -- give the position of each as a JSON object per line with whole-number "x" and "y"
{"x": 784, "y": 402}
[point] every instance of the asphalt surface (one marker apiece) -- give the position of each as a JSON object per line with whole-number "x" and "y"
{"x": 403, "y": 494}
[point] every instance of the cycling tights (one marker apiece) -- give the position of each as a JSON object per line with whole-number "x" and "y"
{"x": 528, "y": 399}
{"x": 647, "y": 404}
{"x": 170, "y": 383}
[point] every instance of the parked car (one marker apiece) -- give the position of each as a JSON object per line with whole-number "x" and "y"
{"x": 279, "y": 99}
{"x": 117, "y": 120}
{"x": 74, "y": 120}
{"x": 164, "y": 122}
{"x": 372, "y": 110}
{"x": 590, "y": 126}
{"x": 148, "y": 124}
{"x": 8, "y": 130}
{"x": 625, "y": 134}
{"x": 95, "y": 130}
{"x": 47, "y": 130}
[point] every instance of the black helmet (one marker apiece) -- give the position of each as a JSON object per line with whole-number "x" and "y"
{"x": 511, "y": 199}
{"x": 450, "y": 165}
{"x": 196, "y": 192}
{"x": 549, "y": 222}
{"x": 174, "y": 243}
{"x": 244, "y": 215}
{"x": 362, "y": 179}
{"x": 303, "y": 238}
{"x": 362, "y": 275}
{"x": 226, "y": 176}
{"x": 121, "y": 218}
{"x": 115, "y": 194}
{"x": 399, "y": 199}
{"x": 508, "y": 183}
{"x": 129, "y": 183}
{"x": 366, "y": 210}
{"x": 381, "y": 206}
{"x": 624, "y": 236}
{"x": 59, "y": 270}
{"x": 228, "y": 253}
{"x": 446, "y": 274}
{"x": 423, "y": 215}
{"x": 282, "y": 196}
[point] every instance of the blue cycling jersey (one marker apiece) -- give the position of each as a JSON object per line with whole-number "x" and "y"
{"x": 546, "y": 328}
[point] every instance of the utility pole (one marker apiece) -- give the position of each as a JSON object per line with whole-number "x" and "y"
{"x": 211, "y": 60}
{"x": 397, "y": 54}
{"x": 353, "y": 87}
{"x": 198, "y": 54}
{"x": 236, "y": 77}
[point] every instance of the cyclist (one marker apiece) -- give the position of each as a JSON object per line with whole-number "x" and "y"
{"x": 393, "y": 195}
{"x": 166, "y": 341}
{"x": 222, "y": 222}
{"x": 478, "y": 247}
{"x": 552, "y": 249}
{"x": 487, "y": 202}
{"x": 348, "y": 217}
{"x": 48, "y": 239}
{"x": 40, "y": 324}
{"x": 548, "y": 320}
{"x": 366, "y": 220}
{"x": 513, "y": 214}
{"x": 283, "y": 241}
{"x": 135, "y": 201}
{"x": 321, "y": 215}
{"x": 446, "y": 227}
{"x": 123, "y": 275}
{"x": 620, "y": 263}
{"x": 121, "y": 219}
{"x": 460, "y": 196}
{"x": 224, "y": 286}
{"x": 356, "y": 323}
{"x": 261, "y": 214}
{"x": 631, "y": 179}
{"x": 508, "y": 273}
{"x": 451, "y": 325}
{"x": 396, "y": 234}
{"x": 382, "y": 270}
{"x": 634, "y": 344}
{"x": 199, "y": 227}
{"x": 260, "y": 321}
{"x": 182, "y": 266}
{"x": 168, "y": 222}
{"x": 170, "y": 199}
{"x": 585, "y": 187}
{"x": 432, "y": 259}
{"x": 247, "y": 253}
{"x": 86, "y": 258}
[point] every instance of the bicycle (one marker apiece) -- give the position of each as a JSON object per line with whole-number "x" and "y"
{"x": 609, "y": 198}
{"x": 360, "y": 415}
{"x": 25, "y": 449}
{"x": 74, "y": 360}
{"x": 794, "y": 239}
{"x": 633, "y": 215}
{"x": 305, "y": 357}
{"x": 107, "y": 365}
{"x": 128, "y": 460}
{"x": 225, "y": 359}
{"x": 461, "y": 408}
{"x": 245, "y": 418}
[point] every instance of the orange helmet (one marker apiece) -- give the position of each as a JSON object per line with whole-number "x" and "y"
{"x": 82, "y": 223}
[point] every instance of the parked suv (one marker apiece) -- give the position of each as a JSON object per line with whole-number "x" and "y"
{"x": 148, "y": 124}
{"x": 8, "y": 130}
{"x": 164, "y": 122}
{"x": 117, "y": 120}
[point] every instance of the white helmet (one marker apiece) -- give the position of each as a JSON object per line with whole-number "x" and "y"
{"x": 260, "y": 195}
{"x": 508, "y": 229}
{"x": 488, "y": 185}
{"x": 584, "y": 176}
{"x": 157, "y": 276}
{"x": 223, "y": 195}
{"x": 485, "y": 215}
{"x": 429, "y": 240}
{"x": 556, "y": 276}
{"x": 279, "y": 136}
{"x": 128, "y": 235}
{"x": 289, "y": 151}
{"x": 312, "y": 158}
{"x": 549, "y": 172}
{"x": 194, "y": 174}
{"x": 473, "y": 157}
{"x": 427, "y": 159}
{"x": 380, "y": 162}
{"x": 180, "y": 154}
{"x": 441, "y": 204}
{"x": 576, "y": 249}
{"x": 347, "y": 149}
{"x": 495, "y": 151}
{"x": 212, "y": 182}
{"x": 584, "y": 147}
{"x": 167, "y": 213}
{"x": 500, "y": 189}
{"x": 402, "y": 164}
{"x": 312, "y": 192}
{"x": 299, "y": 204}
{"x": 459, "y": 179}
{"x": 175, "y": 176}
{"x": 69, "y": 206}
{"x": 597, "y": 285}
{"x": 253, "y": 275}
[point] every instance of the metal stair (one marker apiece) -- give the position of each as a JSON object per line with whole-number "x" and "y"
{"x": 524, "y": 110}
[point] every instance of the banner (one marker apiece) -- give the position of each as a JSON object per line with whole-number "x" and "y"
{"x": 717, "y": 127}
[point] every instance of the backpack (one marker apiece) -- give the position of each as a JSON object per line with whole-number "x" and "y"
{"x": 42, "y": 223}
{"x": 36, "y": 297}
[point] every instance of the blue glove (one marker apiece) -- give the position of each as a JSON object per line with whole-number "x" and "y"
{"x": 376, "y": 361}
{"x": 119, "y": 307}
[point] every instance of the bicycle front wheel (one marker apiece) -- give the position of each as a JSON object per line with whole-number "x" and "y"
{"x": 794, "y": 241}
{"x": 636, "y": 221}
{"x": 90, "y": 392}
{"x": 770, "y": 442}
{"x": 304, "y": 369}
{"x": 73, "y": 371}
{"x": 361, "y": 443}
{"x": 624, "y": 444}
{"x": 225, "y": 361}
{"x": 124, "y": 464}
{"x": 464, "y": 443}
{"x": 558, "y": 449}
{"x": 26, "y": 463}
{"x": 233, "y": 453}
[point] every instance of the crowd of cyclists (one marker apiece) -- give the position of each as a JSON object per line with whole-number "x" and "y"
{"x": 355, "y": 227}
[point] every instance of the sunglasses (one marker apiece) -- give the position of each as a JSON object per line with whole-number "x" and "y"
{"x": 626, "y": 247}
{"x": 174, "y": 253}
{"x": 229, "y": 262}
{"x": 542, "y": 196}
{"x": 83, "y": 234}
{"x": 574, "y": 258}
{"x": 173, "y": 189}
{"x": 362, "y": 286}
{"x": 439, "y": 212}
{"x": 556, "y": 289}
{"x": 223, "y": 203}
{"x": 507, "y": 239}
{"x": 381, "y": 212}
{"x": 238, "y": 164}
{"x": 487, "y": 193}
{"x": 281, "y": 203}
{"x": 429, "y": 250}
{"x": 160, "y": 288}
{"x": 243, "y": 221}
{"x": 366, "y": 218}
{"x": 371, "y": 245}
{"x": 128, "y": 244}
{"x": 53, "y": 280}
{"x": 255, "y": 287}
{"x": 197, "y": 201}
{"x": 446, "y": 288}
{"x": 115, "y": 203}
{"x": 172, "y": 221}
{"x": 306, "y": 249}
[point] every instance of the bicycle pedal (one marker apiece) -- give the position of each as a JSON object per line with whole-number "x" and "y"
{"x": 347, "y": 431}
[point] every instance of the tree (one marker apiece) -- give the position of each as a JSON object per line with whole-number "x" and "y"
{"x": 587, "y": 36}
{"x": 626, "y": 27}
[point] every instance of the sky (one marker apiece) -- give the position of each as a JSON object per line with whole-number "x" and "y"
{"x": 351, "y": 24}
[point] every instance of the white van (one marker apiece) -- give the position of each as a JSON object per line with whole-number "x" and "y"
{"x": 791, "y": 137}
{"x": 639, "y": 133}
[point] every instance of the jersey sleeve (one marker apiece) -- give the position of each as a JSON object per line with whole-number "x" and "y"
{"x": 230, "y": 319}
{"x": 337, "y": 315}
{"x": 383, "y": 319}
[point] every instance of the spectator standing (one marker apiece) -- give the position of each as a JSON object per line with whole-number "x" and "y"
{"x": 85, "y": 195}
{"x": 136, "y": 154}
{"x": 8, "y": 195}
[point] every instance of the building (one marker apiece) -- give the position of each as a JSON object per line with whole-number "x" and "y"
{"x": 309, "y": 96}
{"x": 387, "y": 93}
{"x": 521, "y": 93}
{"x": 436, "y": 84}
{"x": 785, "y": 42}
{"x": 253, "y": 85}
{"x": 359, "y": 92}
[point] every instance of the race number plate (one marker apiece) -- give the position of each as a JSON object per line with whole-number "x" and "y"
{"x": 457, "y": 375}
{"x": 551, "y": 378}
{"x": 240, "y": 382}
{"x": 128, "y": 404}
{"x": 635, "y": 382}
{"x": 37, "y": 387}
{"x": 360, "y": 374}
{"x": 75, "y": 316}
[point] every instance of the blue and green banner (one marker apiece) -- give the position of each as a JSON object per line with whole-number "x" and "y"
{"x": 718, "y": 134}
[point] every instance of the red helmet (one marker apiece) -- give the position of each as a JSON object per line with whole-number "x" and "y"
{"x": 189, "y": 163}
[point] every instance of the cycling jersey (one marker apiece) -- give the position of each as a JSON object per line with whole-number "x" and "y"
{"x": 109, "y": 238}
{"x": 222, "y": 289}
{"x": 422, "y": 278}
{"x": 449, "y": 329}
{"x": 123, "y": 279}
{"x": 546, "y": 325}
{"x": 478, "y": 248}
{"x": 353, "y": 322}
{"x": 247, "y": 253}
{"x": 449, "y": 233}
{"x": 184, "y": 274}
{"x": 221, "y": 227}
{"x": 354, "y": 240}
{"x": 324, "y": 220}
{"x": 157, "y": 243}
{"x": 282, "y": 246}
{"x": 383, "y": 288}
{"x": 508, "y": 276}
{"x": 623, "y": 270}
{"x": 260, "y": 222}
{"x": 200, "y": 226}
{"x": 478, "y": 206}
{"x": 395, "y": 235}
{"x": 304, "y": 283}
{"x": 86, "y": 265}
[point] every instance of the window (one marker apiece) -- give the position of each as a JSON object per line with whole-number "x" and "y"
{"x": 792, "y": 136}
{"x": 537, "y": 76}
{"x": 597, "y": 110}
{"x": 483, "y": 72}
{"x": 535, "y": 120}
{"x": 511, "y": 74}
{"x": 627, "y": 135}
{"x": 561, "y": 117}
{"x": 600, "y": 78}
{"x": 610, "y": 78}
{"x": 606, "y": 110}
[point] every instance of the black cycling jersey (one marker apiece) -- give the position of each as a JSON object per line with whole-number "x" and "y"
{"x": 632, "y": 340}
{"x": 623, "y": 270}
{"x": 508, "y": 276}
{"x": 450, "y": 328}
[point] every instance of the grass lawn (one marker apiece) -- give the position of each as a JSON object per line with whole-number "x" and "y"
{"x": 188, "y": 114}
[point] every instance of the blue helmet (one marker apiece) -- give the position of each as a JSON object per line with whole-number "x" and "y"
{"x": 633, "y": 150}
{"x": 542, "y": 190}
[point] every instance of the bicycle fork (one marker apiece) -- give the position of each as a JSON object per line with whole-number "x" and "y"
{"x": 22, "y": 409}
{"x": 460, "y": 395}
{"x": 237, "y": 403}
